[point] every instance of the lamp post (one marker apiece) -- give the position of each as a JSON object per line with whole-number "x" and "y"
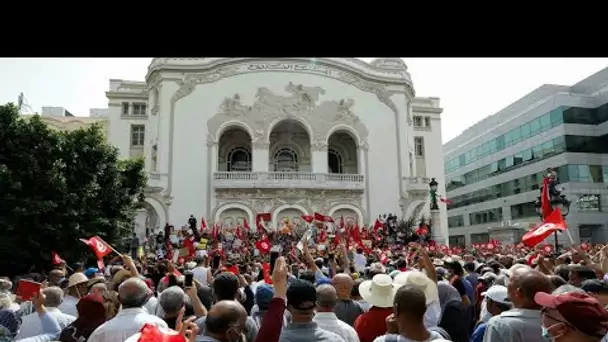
{"x": 556, "y": 198}
{"x": 433, "y": 185}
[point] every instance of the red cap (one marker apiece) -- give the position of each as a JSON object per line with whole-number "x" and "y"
{"x": 583, "y": 312}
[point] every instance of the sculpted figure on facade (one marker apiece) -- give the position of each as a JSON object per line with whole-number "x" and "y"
{"x": 269, "y": 107}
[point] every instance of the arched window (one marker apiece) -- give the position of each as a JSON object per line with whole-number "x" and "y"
{"x": 334, "y": 162}
{"x": 239, "y": 159}
{"x": 285, "y": 160}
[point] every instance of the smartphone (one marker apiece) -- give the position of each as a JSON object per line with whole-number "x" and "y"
{"x": 172, "y": 280}
{"x": 26, "y": 289}
{"x": 273, "y": 258}
{"x": 216, "y": 261}
{"x": 189, "y": 277}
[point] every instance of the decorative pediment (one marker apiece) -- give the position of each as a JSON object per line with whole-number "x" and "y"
{"x": 303, "y": 102}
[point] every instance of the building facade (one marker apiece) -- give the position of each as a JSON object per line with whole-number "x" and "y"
{"x": 494, "y": 168}
{"x": 227, "y": 138}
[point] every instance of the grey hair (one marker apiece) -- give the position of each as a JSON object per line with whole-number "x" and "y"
{"x": 133, "y": 293}
{"x": 326, "y": 296}
{"x": 566, "y": 289}
{"x": 54, "y": 296}
{"x": 172, "y": 299}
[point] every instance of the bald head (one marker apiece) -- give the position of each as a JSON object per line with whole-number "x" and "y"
{"x": 524, "y": 283}
{"x": 326, "y": 297}
{"x": 133, "y": 293}
{"x": 224, "y": 315}
{"x": 343, "y": 284}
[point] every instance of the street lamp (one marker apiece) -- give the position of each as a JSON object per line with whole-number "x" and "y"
{"x": 557, "y": 200}
{"x": 433, "y": 185}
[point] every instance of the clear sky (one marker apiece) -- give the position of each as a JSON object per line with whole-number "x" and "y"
{"x": 470, "y": 89}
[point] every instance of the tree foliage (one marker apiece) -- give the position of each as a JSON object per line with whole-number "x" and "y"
{"x": 57, "y": 187}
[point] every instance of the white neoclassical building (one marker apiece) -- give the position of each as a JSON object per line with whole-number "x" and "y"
{"x": 227, "y": 138}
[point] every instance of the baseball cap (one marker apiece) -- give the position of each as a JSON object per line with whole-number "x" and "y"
{"x": 498, "y": 294}
{"x": 263, "y": 296}
{"x": 595, "y": 286}
{"x": 581, "y": 310}
{"x": 301, "y": 295}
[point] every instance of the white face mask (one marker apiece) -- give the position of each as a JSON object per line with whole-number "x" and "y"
{"x": 485, "y": 315}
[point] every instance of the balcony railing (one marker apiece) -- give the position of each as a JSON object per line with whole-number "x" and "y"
{"x": 418, "y": 183}
{"x": 302, "y": 180}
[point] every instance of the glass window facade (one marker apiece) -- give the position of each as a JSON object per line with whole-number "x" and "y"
{"x": 556, "y": 117}
{"x": 523, "y": 210}
{"x": 566, "y": 173}
{"x": 456, "y": 221}
{"x": 541, "y": 151}
{"x": 486, "y": 216}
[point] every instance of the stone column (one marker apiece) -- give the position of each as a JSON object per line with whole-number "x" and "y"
{"x": 437, "y": 229}
{"x": 319, "y": 157}
{"x": 260, "y": 156}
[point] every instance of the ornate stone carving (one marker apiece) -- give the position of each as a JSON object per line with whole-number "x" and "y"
{"x": 260, "y": 201}
{"x": 268, "y": 107}
{"x": 364, "y": 145}
{"x": 211, "y": 140}
{"x": 319, "y": 145}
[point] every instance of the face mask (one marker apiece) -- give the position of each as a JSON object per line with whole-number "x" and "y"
{"x": 545, "y": 332}
{"x": 485, "y": 315}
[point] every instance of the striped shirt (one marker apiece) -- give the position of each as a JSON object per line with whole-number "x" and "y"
{"x": 330, "y": 322}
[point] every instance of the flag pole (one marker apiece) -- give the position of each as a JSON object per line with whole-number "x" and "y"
{"x": 109, "y": 246}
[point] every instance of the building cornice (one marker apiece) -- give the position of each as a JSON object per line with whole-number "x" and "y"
{"x": 387, "y": 71}
{"x": 120, "y": 95}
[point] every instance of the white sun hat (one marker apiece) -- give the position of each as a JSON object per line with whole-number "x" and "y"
{"x": 421, "y": 281}
{"x": 380, "y": 291}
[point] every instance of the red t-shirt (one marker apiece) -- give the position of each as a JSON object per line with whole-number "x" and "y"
{"x": 372, "y": 324}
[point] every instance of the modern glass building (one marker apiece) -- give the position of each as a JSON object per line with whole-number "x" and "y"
{"x": 494, "y": 168}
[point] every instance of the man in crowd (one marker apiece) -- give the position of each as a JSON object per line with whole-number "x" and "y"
{"x": 77, "y": 288}
{"x": 133, "y": 293}
{"x": 346, "y": 309}
{"x": 225, "y": 322}
{"x": 572, "y": 317}
{"x": 31, "y": 324}
{"x": 226, "y": 287}
{"x": 523, "y": 322}
{"x": 497, "y": 302}
{"x": 327, "y": 319}
{"x": 301, "y": 302}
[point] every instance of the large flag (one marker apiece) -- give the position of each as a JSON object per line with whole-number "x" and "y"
{"x": 261, "y": 219}
{"x": 545, "y": 199}
{"x": 554, "y": 222}
{"x": 99, "y": 247}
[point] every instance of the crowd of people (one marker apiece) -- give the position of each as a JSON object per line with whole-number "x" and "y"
{"x": 313, "y": 288}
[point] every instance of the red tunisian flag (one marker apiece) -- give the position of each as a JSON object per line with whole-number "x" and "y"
{"x": 261, "y": 219}
{"x": 545, "y": 200}
{"x": 323, "y": 218}
{"x": 246, "y": 225}
{"x": 152, "y": 333}
{"x": 554, "y": 222}
{"x": 56, "y": 259}
{"x": 308, "y": 218}
{"x": 99, "y": 247}
{"x": 263, "y": 245}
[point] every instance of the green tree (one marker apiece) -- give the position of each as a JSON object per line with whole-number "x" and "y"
{"x": 57, "y": 187}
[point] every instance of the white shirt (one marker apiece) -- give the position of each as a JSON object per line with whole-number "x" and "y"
{"x": 32, "y": 326}
{"x": 68, "y": 306}
{"x": 127, "y": 322}
{"x": 200, "y": 273}
{"x": 432, "y": 315}
{"x": 330, "y": 322}
{"x": 151, "y": 305}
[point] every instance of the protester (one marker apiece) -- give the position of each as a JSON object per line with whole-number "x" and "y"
{"x": 497, "y": 302}
{"x": 77, "y": 288}
{"x": 31, "y": 324}
{"x": 379, "y": 293}
{"x": 455, "y": 317}
{"x": 133, "y": 293}
{"x": 91, "y": 314}
{"x": 572, "y": 317}
{"x": 325, "y": 317}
